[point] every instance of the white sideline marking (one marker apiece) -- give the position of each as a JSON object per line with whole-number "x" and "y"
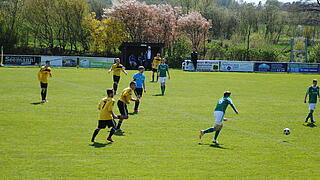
{"x": 202, "y": 118}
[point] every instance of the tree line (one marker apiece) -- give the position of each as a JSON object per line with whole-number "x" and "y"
{"x": 216, "y": 28}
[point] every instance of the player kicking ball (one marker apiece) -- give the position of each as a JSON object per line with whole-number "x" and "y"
{"x": 106, "y": 115}
{"x": 219, "y": 115}
{"x": 125, "y": 98}
{"x": 43, "y": 74}
{"x": 163, "y": 69}
{"x": 313, "y": 92}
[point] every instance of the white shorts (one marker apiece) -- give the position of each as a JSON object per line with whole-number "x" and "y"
{"x": 218, "y": 116}
{"x": 312, "y": 106}
{"x": 163, "y": 79}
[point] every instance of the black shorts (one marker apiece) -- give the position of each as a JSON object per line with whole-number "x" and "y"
{"x": 116, "y": 78}
{"x": 123, "y": 108}
{"x": 138, "y": 92}
{"x": 43, "y": 85}
{"x": 104, "y": 123}
{"x": 154, "y": 70}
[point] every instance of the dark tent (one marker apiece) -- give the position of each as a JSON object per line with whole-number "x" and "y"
{"x": 135, "y": 50}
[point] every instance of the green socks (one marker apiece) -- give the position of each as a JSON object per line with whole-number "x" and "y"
{"x": 163, "y": 89}
{"x": 209, "y": 130}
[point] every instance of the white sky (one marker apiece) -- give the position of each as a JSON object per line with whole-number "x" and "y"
{"x": 263, "y": 1}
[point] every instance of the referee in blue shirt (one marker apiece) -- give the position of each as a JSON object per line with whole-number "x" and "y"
{"x": 139, "y": 78}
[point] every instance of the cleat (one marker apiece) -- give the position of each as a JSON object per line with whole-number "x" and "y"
{"x": 136, "y": 111}
{"x": 92, "y": 140}
{"x": 201, "y": 134}
{"x": 214, "y": 141}
{"x": 110, "y": 139}
{"x": 119, "y": 130}
{"x": 46, "y": 100}
{"x": 43, "y": 101}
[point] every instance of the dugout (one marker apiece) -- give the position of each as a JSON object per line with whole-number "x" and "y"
{"x": 135, "y": 48}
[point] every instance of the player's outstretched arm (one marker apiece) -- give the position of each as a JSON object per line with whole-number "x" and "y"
{"x": 168, "y": 74}
{"x": 144, "y": 87}
{"x": 125, "y": 72}
{"x": 305, "y": 98}
{"x": 234, "y": 108}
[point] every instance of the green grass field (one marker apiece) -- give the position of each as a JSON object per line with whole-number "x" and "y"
{"x": 51, "y": 141}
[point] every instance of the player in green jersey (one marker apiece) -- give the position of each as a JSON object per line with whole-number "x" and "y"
{"x": 163, "y": 69}
{"x": 219, "y": 115}
{"x": 313, "y": 92}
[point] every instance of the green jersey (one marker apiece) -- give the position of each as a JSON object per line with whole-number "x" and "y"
{"x": 313, "y": 93}
{"x": 223, "y": 104}
{"x": 163, "y": 68}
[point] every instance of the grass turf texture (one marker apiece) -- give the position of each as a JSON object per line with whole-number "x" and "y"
{"x": 52, "y": 140}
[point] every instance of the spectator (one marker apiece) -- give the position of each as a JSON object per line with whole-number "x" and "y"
{"x": 132, "y": 61}
{"x": 141, "y": 59}
{"x": 194, "y": 59}
{"x": 148, "y": 58}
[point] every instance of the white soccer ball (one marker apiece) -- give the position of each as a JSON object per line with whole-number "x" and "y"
{"x": 286, "y": 131}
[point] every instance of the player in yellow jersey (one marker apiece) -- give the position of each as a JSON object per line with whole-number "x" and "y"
{"x": 117, "y": 68}
{"x": 43, "y": 74}
{"x": 125, "y": 98}
{"x": 156, "y": 61}
{"x": 106, "y": 115}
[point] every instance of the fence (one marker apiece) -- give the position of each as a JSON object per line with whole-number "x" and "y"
{"x": 249, "y": 66}
{"x": 58, "y": 61}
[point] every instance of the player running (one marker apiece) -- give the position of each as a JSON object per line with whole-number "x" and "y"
{"x": 139, "y": 78}
{"x": 106, "y": 115}
{"x": 219, "y": 115}
{"x": 163, "y": 69}
{"x": 117, "y": 68}
{"x": 125, "y": 98}
{"x": 156, "y": 61}
{"x": 313, "y": 92}
{"x": 43, "y": 74}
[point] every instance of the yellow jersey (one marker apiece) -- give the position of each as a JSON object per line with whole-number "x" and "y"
{"x": 105, "y": 106}
{"x": 126, "y": 95}
{"x": 117, "y": 69}
{"x": 156, "y": 62}
{"x": 44, "y": 73}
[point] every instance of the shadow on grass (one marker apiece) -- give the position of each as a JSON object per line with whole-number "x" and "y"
{"x": 157, "y": 95}
{"x": 133, "y": 113}
{"x": 213, "y": 145}
{"x": 100, "y": 145}
{"x": 312, "y": 125}
{"x": 37, "y": 103}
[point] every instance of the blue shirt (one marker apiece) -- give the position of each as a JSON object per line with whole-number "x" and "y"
{"x": 139, "y": 79}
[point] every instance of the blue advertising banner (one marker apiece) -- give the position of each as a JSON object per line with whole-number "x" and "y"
{"x": 16, "y": 60}
{"x": 271, "y": 67}
{"x": 304, "y": 68}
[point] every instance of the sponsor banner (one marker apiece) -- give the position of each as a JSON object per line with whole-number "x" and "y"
{"x": 21, "y": 60}
{"x": 95, "y": 62}
{"x": 55, "y": 61}
{"x": 69, "y": 61}
{"x": 202, "y": 65}
{"x": 271, "y": 67}
{"x": 304, "y": 68}
{"x": 236, "y": 66}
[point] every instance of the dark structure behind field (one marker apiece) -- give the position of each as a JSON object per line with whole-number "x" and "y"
{"x": 135, "y": 49}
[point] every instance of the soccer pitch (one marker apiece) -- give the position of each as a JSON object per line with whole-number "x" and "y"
{"x": 52, "y": 140}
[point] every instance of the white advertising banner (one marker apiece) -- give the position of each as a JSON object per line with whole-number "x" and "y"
{"x": 202, "y": 65}
{"x": 237, "y": 66}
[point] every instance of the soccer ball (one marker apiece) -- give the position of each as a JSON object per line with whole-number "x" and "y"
{"x": 286, "y": 131}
